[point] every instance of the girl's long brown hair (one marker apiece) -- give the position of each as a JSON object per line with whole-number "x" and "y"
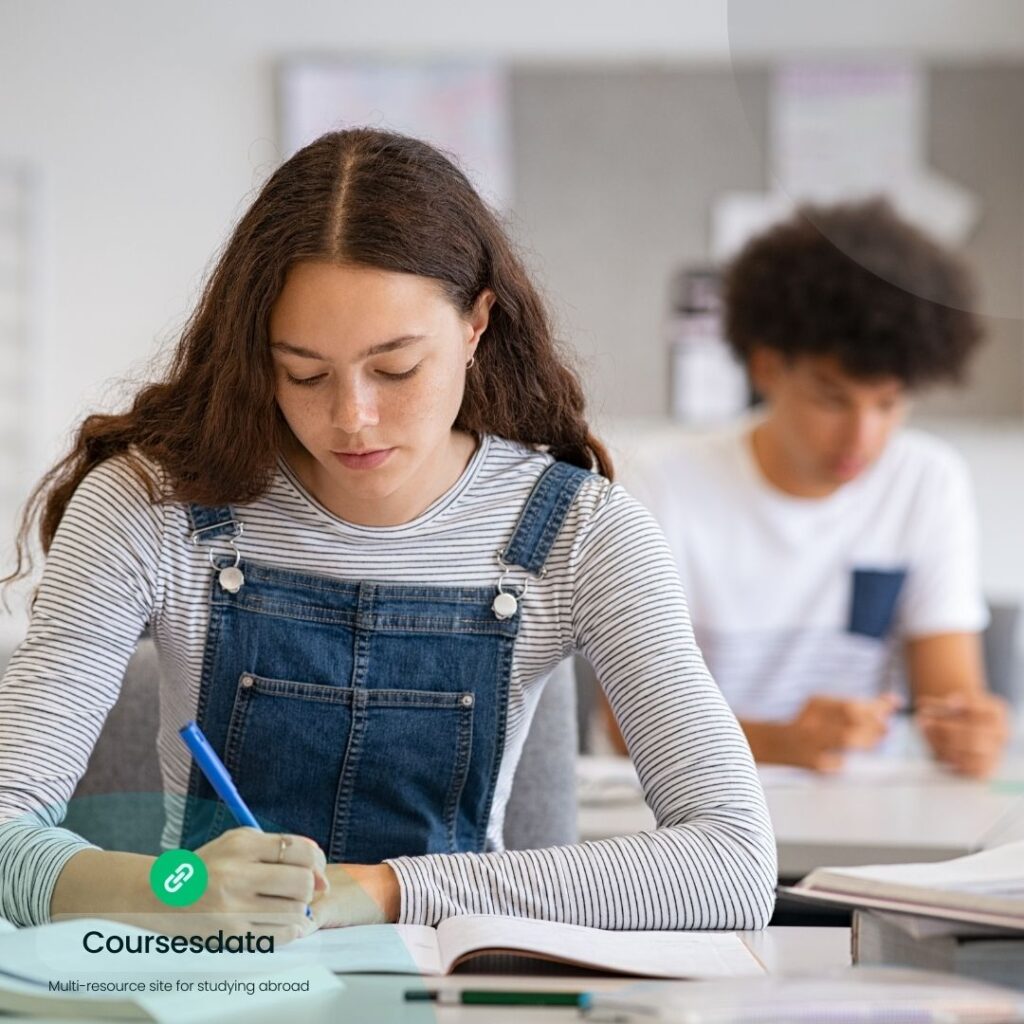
{"x": 364, "y": 197}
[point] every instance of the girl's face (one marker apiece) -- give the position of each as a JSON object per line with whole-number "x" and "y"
{"x": 370, "y": 367}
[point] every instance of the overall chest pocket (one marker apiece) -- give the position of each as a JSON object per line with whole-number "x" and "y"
{"x": 367, "y": 773}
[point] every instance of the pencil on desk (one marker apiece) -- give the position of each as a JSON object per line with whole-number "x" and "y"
{"x": 492, "y": 997}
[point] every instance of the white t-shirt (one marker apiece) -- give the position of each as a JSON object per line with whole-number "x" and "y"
{"x": 791, "y": 596}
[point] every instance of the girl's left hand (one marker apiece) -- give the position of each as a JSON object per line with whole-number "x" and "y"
{"x": 358, "y": 894}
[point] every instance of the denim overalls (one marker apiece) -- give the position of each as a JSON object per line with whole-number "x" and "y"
{"x": 367, "y": 716}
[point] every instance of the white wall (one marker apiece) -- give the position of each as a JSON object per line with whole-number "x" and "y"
{"x": 153, "y": 122}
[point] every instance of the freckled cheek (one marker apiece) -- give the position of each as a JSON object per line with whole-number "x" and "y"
{"x": 300, "y": 413}
{"x": 432, "y": 400}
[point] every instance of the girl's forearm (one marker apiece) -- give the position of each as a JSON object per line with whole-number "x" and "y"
{"x": 108, "y": 884}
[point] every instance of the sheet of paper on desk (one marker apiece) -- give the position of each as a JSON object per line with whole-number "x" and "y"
{"x": 368, "y": 948}
{"x": 850, "y": 996}
{"x": 997, "y": 871}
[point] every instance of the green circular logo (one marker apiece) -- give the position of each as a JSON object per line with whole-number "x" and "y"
{"x": 178, "y": 878}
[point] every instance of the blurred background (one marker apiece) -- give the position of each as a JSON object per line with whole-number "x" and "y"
{"x": 631, "y": 147}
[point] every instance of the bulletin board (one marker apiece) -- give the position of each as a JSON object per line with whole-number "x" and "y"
{"x": 461, "y": 107}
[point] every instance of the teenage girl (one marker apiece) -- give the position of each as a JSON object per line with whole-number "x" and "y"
{"x": 363, "y": 517}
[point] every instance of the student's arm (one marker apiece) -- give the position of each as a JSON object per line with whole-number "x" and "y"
{"x": 942, "y": 617}
{"x": 711, "y": 862}
{"x": 98, "y": 589}
{"x": 965, "y": 725}
{"x": 817, "y": 738}
{"x": 100, "y": 586}
{"x": 822, "y": 732}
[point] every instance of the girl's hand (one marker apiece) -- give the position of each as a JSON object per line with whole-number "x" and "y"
{"x": 358, "y": 894}
{"x": 261, "y": 882}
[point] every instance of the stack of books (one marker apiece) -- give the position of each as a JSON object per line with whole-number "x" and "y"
{"x": 988, "y": 954}
{"x": 963, "y": 916}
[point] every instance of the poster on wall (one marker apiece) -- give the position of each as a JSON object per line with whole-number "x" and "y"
{"x": 458, "y": 106}
{"x": 847, "y": 131}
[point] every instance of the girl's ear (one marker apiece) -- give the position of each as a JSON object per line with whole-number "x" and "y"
{"x": 478, "y": 318}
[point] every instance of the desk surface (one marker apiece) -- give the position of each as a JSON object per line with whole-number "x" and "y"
{"x": 381, "y": 997}
{"x": 896, "y": 805}
{"x": 781, "y": 950}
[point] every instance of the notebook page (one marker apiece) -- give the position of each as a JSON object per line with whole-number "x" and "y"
{"x": 650, "y": 953}
{"x": 368, "y": 948}
{"x": 999, "y": 871}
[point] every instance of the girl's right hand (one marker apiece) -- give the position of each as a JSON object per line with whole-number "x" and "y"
{"x": 261, "y": 882}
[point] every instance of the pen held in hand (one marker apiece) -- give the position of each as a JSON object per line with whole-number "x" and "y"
{"x": 219, "y": 778}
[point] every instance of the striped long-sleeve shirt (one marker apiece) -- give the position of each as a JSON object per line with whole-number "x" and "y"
{"x": 120, "y": 562}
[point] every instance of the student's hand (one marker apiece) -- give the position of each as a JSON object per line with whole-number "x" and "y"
{"x": 262, "y": 882}
{"x": 358, "y": 894}
{"x": 827, "y": 727}
{"x": 966, "y": 731}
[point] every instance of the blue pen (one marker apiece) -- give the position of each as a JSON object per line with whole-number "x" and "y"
{"x": 217, "y": 775}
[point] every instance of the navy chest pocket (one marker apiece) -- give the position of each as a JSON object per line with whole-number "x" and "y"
{"x": 873, "y": 601}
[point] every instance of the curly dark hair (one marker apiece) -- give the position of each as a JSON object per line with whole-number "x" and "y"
{"x": 856, "y": 282}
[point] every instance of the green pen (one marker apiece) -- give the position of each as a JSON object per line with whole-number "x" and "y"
{"x": 493, "y": 997}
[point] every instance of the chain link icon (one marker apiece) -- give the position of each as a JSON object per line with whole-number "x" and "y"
{"x": 174, "y": 882}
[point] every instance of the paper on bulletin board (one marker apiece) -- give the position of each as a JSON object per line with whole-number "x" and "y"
{"x": 461, "y": 107}
{"x": 844, "y": 132}
{"x": 841, "y": 128}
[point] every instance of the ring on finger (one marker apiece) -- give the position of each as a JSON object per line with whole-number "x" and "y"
{"x": 284, "y": 842}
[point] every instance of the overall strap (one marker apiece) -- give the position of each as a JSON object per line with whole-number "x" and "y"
{"x": 210, "y": 523}
{"x": 542, "y": 516}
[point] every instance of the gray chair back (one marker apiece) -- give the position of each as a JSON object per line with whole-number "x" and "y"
{"x": 1002, "y": 652}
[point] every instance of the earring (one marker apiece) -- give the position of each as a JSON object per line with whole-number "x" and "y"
{"x": 472, "y": 360}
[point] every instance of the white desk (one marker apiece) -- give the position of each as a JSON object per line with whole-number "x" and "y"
{"x": 378, "y": 998}
{"x": 896, "y": 805}
{"x": 374, "y": 998}
{"x": 782, "y": 950}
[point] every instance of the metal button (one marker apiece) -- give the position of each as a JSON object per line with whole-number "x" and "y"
{"x": 231, "y": 579}
{"x": 247, "y": 681}
{"x": 505, "y": 605}
{"x": 467, "y": 700}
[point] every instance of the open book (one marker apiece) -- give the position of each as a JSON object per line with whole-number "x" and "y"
{"x": 983, "y": 888}
{"x": 416, "y": 949}
{"x": 34, "y": 960}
